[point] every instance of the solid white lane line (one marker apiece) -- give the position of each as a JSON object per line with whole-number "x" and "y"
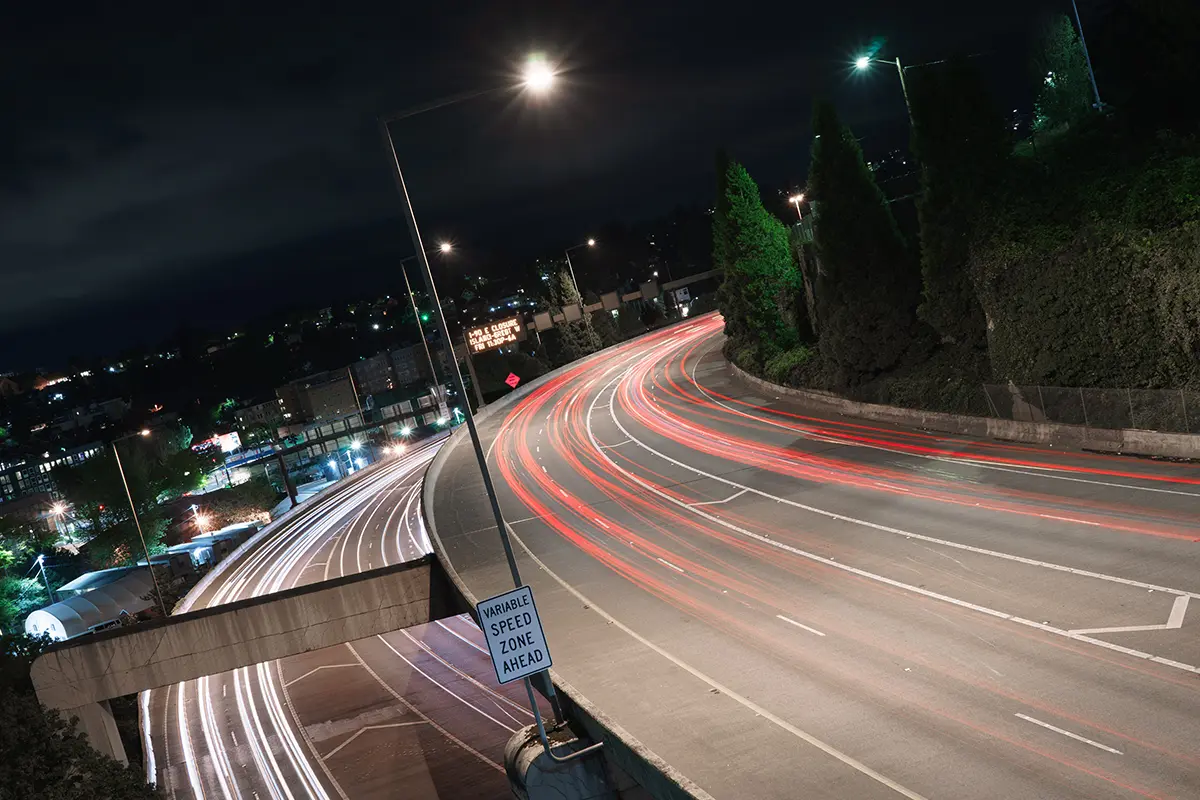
{"x": 799, "y": 624}
{"x": 720, "y": 687}
{"x": 1070, "y": 519}
{"x": 733, "y": 496}
{"x": 318, "y": 669}
{"x": 401, "y": 699}
{"x": 366, "y": 728}
{"x": 1042, "y": 471}
{"x": 455, "y": 633}
{"x": 445, "y": 688}
{"x": 888, "y": 528}
{"x": 1074, "y": 736}
{"x": 185, "y": 741}
{"x": 861, "y": 572}
{"x": 1175, "y": 620}
{"x": 672, "y": 566}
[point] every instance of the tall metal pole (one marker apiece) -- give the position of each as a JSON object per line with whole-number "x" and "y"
{"x": 1087, "y": 57}
{"x": 412, "y": 299}
{"x": 455, "y": 372}
{"x": 41, "y": 566}
{"x": 162, "y": 603}
{"x": 904, "y": 89}
{"x": 471, "y": 369}
{"x": 574, "y": 282}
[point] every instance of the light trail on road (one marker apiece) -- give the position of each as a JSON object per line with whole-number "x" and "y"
{"x": 837, "y": 578}
{"x": 265, "y": 731}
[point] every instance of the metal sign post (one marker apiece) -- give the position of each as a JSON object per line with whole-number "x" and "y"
{"x": 517, "y": 645}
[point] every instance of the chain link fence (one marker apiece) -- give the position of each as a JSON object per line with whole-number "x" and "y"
{"x": 1163, "y": 410}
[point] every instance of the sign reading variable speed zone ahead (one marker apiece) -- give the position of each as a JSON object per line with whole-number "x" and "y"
{"x": 514, "y": 635}
{"x": 494, "y": 334}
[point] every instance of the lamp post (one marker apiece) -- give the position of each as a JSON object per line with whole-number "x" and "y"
{"x": 162, "y": 603}
{"x": 444, "y": 248}
{"x": 863, "y": 62}
{"x": 571, "y": 267}
{"x": 538, "y": 77}
{"x": 796, "y": 200}
{"x": 42, "y": 566}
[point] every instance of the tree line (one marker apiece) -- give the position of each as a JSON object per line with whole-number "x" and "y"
{"x": 1062, "y": 255}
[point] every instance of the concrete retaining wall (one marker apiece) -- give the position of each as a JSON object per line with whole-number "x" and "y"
{"x": 1133, "y": 442}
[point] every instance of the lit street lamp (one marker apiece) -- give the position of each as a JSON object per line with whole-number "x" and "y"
{"x": 538, "y": 76}
{"x": 201, "y": 520}
{"x": 863, "y": 62}
{"x": 41, "y": 559}
{"x": 445, "y": 248}
{"x": 162, "y": 604}
{"x": 571, "y": 267}
{"x": 796, "y": 200}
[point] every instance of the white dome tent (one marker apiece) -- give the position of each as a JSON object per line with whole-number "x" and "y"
{"x": 100, "y": 606}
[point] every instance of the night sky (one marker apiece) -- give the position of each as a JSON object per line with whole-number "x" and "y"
{"x": 159, "y": 164}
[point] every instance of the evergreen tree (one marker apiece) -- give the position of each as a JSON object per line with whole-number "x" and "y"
{"x": 961, "y": 145}
{"x": 605, "y": 327}
{"x": 575, "y": 339}
{"x": 868, "y": 288}
{"x": 759, "y": 295}
{"x": 1065, "y": 96}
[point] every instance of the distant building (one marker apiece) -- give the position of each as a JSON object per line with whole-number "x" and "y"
{"x": 266, "y": 413}
{"x": 26, "y": 476}
{"x": 9, "y": 386}
{"x": 320, "y": 396}
{"x": 373, "y": 375}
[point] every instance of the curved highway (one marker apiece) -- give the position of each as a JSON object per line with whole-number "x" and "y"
{"x": 785, "y": 604}
{"x": 417, "y": 708}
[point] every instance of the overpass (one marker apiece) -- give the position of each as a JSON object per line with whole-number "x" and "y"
{"x": 81, "y": 675}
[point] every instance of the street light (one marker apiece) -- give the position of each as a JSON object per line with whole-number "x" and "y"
{"x": 796, "y": 200}
{"x": 863, "y": 62}
{"x": 42, "y": 566}
{"x": 445, "y": 248}
{"x": 538, "y": 77}
{"x": 144, "y": 432}
{"x": 571, "y": 267}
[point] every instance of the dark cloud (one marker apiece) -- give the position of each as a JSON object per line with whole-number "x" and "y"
{"x": 148, "y": 146}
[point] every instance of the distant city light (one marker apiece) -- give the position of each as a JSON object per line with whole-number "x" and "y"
{"x": 332, "y": 464}
{"x": 375, "y": 326}
{"x": 406, "y": 431}
{"x": 359, "y": 463}
{"x": 356, "y": 445}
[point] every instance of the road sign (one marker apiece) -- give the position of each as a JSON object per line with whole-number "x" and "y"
{"x": 512, "y": 380}
{"x": 514, "y": 635}
{"x": 494, "y": 334}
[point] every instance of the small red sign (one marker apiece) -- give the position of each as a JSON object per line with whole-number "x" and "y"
{"x": 512, "y": 380}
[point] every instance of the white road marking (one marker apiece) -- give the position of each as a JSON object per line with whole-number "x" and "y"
{"x": 871, "y": 575}
{"x": 733, "y": 496}
{"x": 318, "y": 669}
{"x": 1070, "y": 519}
{"x": 1175, "y": 620}
{"x": 799, "y": 624}
{"x": 1074, "y": 736}
{"x": 672, "y": 566}
{"x": 722, "y": 688}
{"x": 366, "y": 728}
{"x": 610, "y": 446}
{"x": 1043, "y": 471}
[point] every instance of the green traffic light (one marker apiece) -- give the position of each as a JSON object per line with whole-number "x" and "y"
{"x": 424, "y": 318}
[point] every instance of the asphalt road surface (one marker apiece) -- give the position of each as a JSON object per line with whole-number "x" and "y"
{"x": 784, "y": 604}
{"x": 415, "y": 714}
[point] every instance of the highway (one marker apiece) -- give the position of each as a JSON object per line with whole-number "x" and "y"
{"x": 783, "y": 604}
{"x": 418, "y": 709}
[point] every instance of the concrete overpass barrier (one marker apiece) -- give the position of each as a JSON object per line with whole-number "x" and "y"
{"x": 81, "y": 675}
{"x": 625, "y": 759}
